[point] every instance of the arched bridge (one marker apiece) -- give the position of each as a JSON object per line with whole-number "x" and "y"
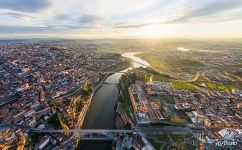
{"x": 104, "y": 134}
{"x": 89, "y": 134}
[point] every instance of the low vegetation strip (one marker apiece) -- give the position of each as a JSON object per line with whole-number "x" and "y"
{"x": 124, "y": 99}
{"x": 222, "y": 87}
{"x": 179, "y": 85}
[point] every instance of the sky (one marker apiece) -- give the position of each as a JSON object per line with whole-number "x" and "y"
{"x": 120, "y": 18}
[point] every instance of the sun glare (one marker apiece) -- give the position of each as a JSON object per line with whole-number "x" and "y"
{"x": 152, "y": 31}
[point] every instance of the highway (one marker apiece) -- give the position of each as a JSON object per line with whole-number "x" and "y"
{"x": 157, "y": 130}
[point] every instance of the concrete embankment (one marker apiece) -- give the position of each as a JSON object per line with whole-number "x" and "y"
{"x": 86, "y": 107}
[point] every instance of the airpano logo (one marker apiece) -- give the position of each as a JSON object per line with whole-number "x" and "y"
{"x": 226, "y": 143}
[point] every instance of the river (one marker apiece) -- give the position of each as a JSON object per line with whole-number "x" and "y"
{"x": 101, "y": 112}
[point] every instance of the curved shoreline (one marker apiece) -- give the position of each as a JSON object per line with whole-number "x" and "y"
{"x": 102, "y": 102}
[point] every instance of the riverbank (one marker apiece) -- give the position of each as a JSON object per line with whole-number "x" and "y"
{"x": 83, "y": 112}
{"x": 88, "y": 103}
{"x": 101, "y": 113}
{"x": 124, "y": 108}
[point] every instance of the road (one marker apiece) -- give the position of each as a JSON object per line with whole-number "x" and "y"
{"x": 190, "y": 80}
{"x": 148, "y": 130}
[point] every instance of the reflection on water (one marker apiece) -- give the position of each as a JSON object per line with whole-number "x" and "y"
{"x": 137, "y": 62}
{"x": 114, "y": 79}
{"x": 101, "y": 112}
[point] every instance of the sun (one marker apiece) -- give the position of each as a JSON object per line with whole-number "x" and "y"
{"x": 152, "y": 31}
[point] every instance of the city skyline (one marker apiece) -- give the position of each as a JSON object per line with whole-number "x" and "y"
{"x": 120, "y": 19}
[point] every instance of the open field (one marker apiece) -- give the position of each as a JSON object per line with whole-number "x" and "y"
{"x": 179, "y": 85}
{"x": 168, "y": 99}
{"x": 171, "y": 63}
{"x": 145, "y": 74}
{"x": 176, "y": 142}
{"x": 222, "y": 87}
{"x": 202, "y": 81}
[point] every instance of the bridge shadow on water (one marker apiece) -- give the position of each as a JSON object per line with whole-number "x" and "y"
{"x": 95, "y": 145}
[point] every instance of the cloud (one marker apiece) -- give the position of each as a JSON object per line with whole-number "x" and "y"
{"x": 80, "y": 16}
{"x": 130, "y": 25}
{"x": 24, "y": 5}
{"x": 63, "y": 17}
{"x": 16, "y": 15}
{"x": 41, "y": 29}
{"x": 82, "y": 21}
{"x": 23, "y": 29}
{"x": 90, "y": 20}
{"x": 206, "y": 13}
{"x": 212, "y": 8}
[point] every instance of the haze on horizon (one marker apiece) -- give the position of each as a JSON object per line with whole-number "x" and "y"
{"x": 120, "y": 18}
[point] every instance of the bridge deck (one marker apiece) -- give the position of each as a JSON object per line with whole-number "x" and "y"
{"x": 82, "y": 130}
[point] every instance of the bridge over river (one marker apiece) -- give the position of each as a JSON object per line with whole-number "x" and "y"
{"x": 104, "y": 134}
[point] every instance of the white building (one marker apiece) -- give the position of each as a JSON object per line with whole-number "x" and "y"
{"x": 230, "y": 133}
{"x": 44, "y": 141}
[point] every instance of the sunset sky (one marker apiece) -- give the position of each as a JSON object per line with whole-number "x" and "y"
{"x": 120, "y": 18}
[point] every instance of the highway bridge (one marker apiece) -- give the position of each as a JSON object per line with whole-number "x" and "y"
{"x": 104, "y": 134}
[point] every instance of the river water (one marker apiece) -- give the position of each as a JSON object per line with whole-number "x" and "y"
{"x": 102, "y": 110}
